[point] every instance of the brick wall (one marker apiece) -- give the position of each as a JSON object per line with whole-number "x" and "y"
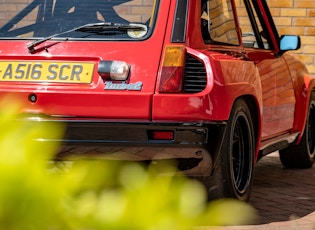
{"x": 297, "y": 17}
{"x": 220, "y": 16}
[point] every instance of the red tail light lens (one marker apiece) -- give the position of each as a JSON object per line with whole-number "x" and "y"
{"x": 161, "y": 135}
{"x": 172, "y": 72}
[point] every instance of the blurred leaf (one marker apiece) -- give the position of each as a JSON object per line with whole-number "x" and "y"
{"x": 94, "y": 194}
{"x": 229, "y": 212}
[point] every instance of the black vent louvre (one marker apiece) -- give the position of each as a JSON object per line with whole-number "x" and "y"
{"x": 195, "y": 76}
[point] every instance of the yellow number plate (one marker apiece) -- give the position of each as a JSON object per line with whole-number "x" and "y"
{"x": 67, "y": 72}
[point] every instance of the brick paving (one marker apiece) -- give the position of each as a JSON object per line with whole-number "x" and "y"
{"x": 284, "y": 198}
{"x": 281, "y": 194}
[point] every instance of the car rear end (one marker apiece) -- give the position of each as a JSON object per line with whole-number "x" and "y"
{"x": 103, "y": 69}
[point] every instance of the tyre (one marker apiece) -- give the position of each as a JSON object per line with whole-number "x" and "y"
{"x": 302, "y": 155}
{"x": 233, "y": 175}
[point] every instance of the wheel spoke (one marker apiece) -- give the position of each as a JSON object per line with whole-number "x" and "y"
{"x": 237, "y": 155}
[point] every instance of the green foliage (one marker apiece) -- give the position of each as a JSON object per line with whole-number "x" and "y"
{"x": 91, "y": 195}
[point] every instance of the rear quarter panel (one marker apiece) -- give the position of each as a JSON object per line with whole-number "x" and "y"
{"x": 228, "y": 79}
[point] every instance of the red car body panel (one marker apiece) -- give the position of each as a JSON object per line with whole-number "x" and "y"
{"x": 98, "y": 103}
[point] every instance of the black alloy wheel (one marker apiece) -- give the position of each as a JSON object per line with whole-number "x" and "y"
{"x": 233, "y": 175}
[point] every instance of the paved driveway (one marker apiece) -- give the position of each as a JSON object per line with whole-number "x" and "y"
{"x": 278, "y": 194}
{"x": 281, "y": 194}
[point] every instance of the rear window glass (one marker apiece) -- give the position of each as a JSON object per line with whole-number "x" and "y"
{"x": 39, "y": 18}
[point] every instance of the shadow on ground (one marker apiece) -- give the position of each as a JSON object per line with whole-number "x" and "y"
{"x": 281, "y": 194}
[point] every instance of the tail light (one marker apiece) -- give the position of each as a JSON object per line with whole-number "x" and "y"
{"x": 160, "y": 135}
{"x": 172, "y": 72}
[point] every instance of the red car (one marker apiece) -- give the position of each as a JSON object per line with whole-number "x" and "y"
{"x": 207, "y": 83}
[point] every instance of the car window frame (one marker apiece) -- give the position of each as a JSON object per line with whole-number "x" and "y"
{"x": 266, "y": 21}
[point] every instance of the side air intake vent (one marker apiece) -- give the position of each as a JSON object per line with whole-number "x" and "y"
{"x": 195, "y": 76}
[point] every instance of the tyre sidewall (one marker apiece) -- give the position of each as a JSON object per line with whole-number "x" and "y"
{"x": 229, "y": 188}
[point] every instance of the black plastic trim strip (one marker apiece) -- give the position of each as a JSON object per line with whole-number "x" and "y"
{"x": 180, "y": 20}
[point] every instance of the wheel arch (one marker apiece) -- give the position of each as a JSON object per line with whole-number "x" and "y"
{"x": 303, "y": 96}
{"x": 303, "y": 85}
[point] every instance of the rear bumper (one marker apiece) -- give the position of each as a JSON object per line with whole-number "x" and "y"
{"x": 189, "y": 145}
